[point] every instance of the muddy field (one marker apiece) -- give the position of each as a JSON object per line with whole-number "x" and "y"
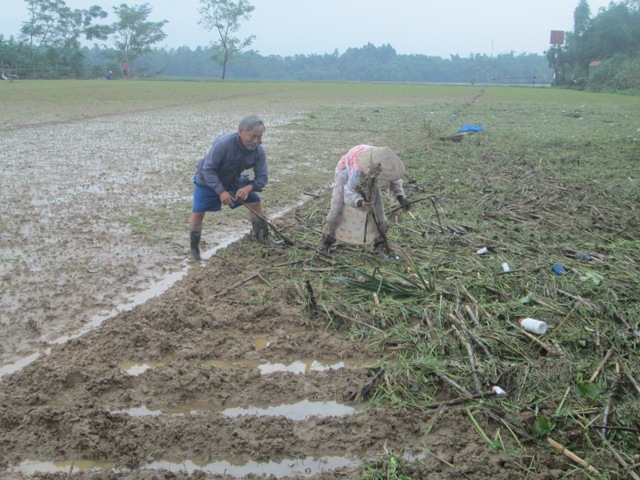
{"x": 121, "y": 360}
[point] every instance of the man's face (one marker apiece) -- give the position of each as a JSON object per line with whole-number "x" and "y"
{"x": 250, "y": 139}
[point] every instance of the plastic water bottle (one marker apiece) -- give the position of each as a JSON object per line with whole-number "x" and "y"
{"x": 532, "y": 325}
{"x": 583, "y": 256}
{"x": 558, "y": 269}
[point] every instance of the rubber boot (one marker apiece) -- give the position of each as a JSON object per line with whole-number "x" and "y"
{"x": 381, "y": 249}
{"x": 327, "y": 241}
{"x": 261, "y": 232}
{"x": 194, "y": 236}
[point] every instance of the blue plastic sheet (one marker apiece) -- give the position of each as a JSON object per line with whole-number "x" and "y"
{"x": 471, "y": 128}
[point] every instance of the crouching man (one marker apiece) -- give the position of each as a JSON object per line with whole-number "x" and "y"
{"x": 219, "y": 180}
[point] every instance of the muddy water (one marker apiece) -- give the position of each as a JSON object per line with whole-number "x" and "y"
{"x": 295, "y": 411}
{"x": 160, "y": 284}
{"x": 234, "y": 468}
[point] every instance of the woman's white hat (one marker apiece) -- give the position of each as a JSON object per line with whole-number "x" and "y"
{"x": 391, "y": 167}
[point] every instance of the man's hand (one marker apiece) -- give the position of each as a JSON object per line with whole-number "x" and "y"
{"x": 243, "y": 193}
{"x": 226, "y": 198}
{"x": 404, "y": 203}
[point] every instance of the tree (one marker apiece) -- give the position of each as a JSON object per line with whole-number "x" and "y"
{"x": 613, "y": 34}
{"x": 224, "y": 16}
{"x": 581, "y": 18}
{"x": 133, "y": 35}
{"x": 53, "y": 31}
{"x": 11, "y": 54}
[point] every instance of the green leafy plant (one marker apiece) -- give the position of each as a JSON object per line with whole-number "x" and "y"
{"x": 388, "y": 468}
{"x": 496, "y": 444}
{"x": 389, "y": 283}
{"x": 542, "y": 426}
{"x": 588, "y": 391}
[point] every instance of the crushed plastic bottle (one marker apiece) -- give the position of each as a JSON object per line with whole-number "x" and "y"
{"x": 583, "y": 256}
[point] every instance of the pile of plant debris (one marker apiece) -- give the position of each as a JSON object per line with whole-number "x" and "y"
{"x": 475, "y": 254}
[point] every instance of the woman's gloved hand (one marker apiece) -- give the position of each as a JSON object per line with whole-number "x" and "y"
{"x": 404, "y": 203}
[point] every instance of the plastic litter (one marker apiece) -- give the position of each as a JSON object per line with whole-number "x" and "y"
{"x": 471, "y": 128}
{"x": 558, "y": 269}
{"x": 498, "y": 390}
{"x": 532, "y": 325}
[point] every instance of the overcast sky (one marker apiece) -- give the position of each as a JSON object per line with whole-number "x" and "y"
{"x": 429, "y": 27}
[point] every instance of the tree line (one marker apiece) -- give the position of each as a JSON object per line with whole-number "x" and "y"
{"x": 368, "y": 64}
{"x": 51, "y": 41}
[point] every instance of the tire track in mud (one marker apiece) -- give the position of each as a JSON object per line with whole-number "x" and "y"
{"x": 200, "y": 397}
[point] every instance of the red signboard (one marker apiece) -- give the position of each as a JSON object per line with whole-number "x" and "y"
{"x": 557, "y": 37}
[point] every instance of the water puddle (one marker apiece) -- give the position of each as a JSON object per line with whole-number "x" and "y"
{"x": 299, "y": 366}
{"x": 235, "y": 468}
{"x": 261, "y": 343}
{"x": 296, "y": 411}
{"x": 31, "y": 467}
{"x": 302, "y": 467}
{"x": 144, "y": 411}
{"x": 134, "y": 369}
{"x": 293, "y": 411}
{"x": 20, "y": 364}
